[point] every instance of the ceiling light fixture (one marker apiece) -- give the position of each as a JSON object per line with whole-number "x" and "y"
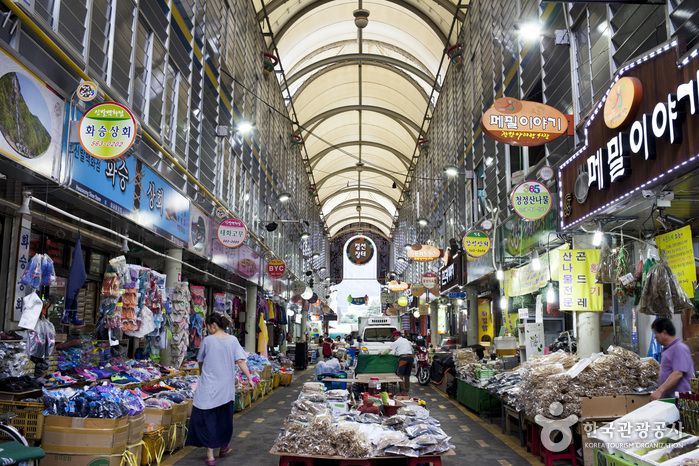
{"x": 125, "y": 245}
{"x": 361, "y": 18}
{"x": 599, "y": 236}
{"x": 283, "y": 197}
{"x": 305, "y": 235}
{"x": 244, "y": 127}
{"x": 550, "y": 294}
{"x": 422, "y": 221}
{"x": 488, "y": 161}
{"x": 499, "y": 274}
{"x": 315, "y": 255}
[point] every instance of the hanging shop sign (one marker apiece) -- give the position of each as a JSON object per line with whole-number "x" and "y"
{"x": 199, "y": 231}
{"x": 298, "y": 287}
{"x": 385, "y": 297}
{"x": 402, "y": 301}
{"x": 578, "y": 290}
{"x": 231, "y": 232}
{"x": 424, "y": 309}
{"x": 531, "y": 200}
{"x": 450, "y": 276}
{"x": 394, "y": 285}
{"x": 523, "y": 123}
{"x": 615, "y": 164}
{"x": 430, "y": 280}
{"x": 680, "y": 256}
{"x": 391, "y": 311}
{"x": 107, "y": 130}
{"x": 485, "y": 320}
{"x": 425, "y": 253}
{"x": 276, "y": 268}
{"x": 442, "y": 320}
{"x": 360, "y": 251}
{"x": 87, "y": 91}
{"x": 417, "y": 289}
{"x": 326, "y": 309}
{"x": 358, "y": 301}
{"x": 476, "y": 243}
{"x": 33, "y": 137}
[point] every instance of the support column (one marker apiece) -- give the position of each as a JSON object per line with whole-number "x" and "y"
{"x": 250, "y": 318}
{"x": 304, "y": 316}
{"x": 434, "y": 336}
{"x": 472, "y": 324}
{"x": 587, "y": 322}
{"x": 173, "y": 274}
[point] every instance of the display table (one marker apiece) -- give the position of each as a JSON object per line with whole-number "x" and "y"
{"x": 384, "y": 378}
{"x": 475, "y": 398}
{"x": 286, "y": 459}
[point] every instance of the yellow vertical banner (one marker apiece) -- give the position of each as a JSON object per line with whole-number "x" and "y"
{"x": 485, "y": 320}
{"x": 511, "y": 322}
{"x": 679, "y": 253}
{"x": 577, "y": 288}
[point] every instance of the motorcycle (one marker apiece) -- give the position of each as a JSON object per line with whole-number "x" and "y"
{"x": 423, "y": 365}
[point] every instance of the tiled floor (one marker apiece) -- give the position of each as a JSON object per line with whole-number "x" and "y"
{"x": 477, "y": 441}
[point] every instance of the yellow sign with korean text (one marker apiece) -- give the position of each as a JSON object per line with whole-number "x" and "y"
{"x": 485, "y": 321}
{"x": 524, "y": 280}
{"x": 511, "y": 323}
{"x": 680, "y": 256}
{"x": 577, "y": 288}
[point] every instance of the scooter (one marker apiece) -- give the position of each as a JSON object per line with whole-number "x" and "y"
{"x": 423, "y": 365}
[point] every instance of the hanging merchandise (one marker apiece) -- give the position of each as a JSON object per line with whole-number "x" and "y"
{"x": 605, "y": 266}
{"x": 39, "y": 272}
{"x": 31, "y": 311}
{"x": 662, "y": 294}
{"x": 179, "y": 325}
{"x": 196, "y": 319}
{"x": 42, "y": 340}
{"x": 624, "y": 284}
{"x": 76, "y": 279}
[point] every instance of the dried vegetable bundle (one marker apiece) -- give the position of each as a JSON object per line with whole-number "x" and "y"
{"x": 545, "y": 380}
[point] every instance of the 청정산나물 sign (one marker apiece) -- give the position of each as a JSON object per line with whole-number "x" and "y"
{"x": 531, "y": 200}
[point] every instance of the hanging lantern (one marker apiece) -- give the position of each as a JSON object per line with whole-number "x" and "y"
{"x": 423, "y": 145}
{"x": 296, "y": 140}
{"x": 454, "y": 53}
{"x": 269, "y": 62}
{"x": 307, "y": 293}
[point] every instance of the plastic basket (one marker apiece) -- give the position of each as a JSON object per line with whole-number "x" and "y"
{"x": 275, "y": 380}
{"x": 285, "y": 378}
{"x": 29, "y": 418}
{"x": 267, "y": 386}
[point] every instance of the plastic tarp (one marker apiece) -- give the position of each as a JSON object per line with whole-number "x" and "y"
{"x": 441, "y": 364}
{"x": 375, "y": 364}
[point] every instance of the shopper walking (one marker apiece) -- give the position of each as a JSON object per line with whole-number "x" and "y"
{"x": 328, "y": 347}
{"x": 211, "y": 423}
{"x": 402, "y": 347}
{"x": 676, "y": 364}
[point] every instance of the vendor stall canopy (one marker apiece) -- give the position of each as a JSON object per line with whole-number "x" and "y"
{"x": 362, "y": 78}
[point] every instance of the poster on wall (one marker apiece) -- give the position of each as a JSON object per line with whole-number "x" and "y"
{"x": 199, "y": 231}
{"x": 679, "y": 253}
{"x": 31, "y": 119}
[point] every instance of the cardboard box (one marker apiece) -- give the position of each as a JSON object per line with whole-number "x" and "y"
{"x": 136, "y": 425}
{"x": 70, "y": 435}
{"x": 179, "y": 413}
{"x": 158, "y": 418}
{"x": 137, "y": 452}
{"x": 611, "y": 406}
{"x": 190, "y": 405}
{"x": 59, "y": 459}
{"x": 693, "y": 344}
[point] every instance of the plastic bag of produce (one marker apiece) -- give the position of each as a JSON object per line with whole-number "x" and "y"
{"x": 662, "y": 294}
{"x": 605, "y": 266}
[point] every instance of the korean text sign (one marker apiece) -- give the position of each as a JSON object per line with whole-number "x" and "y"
{"x": 680, "y": 256}
{"x": 577, "y": 288}
{"x": 531, "y": 200}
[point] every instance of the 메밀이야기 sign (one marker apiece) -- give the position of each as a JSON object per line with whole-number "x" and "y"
{"x": 523, "y": 123}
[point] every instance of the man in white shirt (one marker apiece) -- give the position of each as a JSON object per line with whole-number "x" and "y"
{"x": 404, "y": 350}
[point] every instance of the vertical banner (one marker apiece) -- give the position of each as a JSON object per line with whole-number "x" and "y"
{"x": 485, "y": 320}
{"x": 442, "y": 320}
{"x": 679, "y": 253}
{"x": 22, "y": 264}
{"x": 534, "y": 339}
{"x": 578, "y": 290}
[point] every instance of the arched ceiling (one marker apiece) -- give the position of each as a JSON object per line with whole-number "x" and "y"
{"x": 360, "y": 96}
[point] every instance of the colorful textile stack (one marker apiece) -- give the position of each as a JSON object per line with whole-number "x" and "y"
{"x": 196, "y": 319}
{"x": 180, "y": 322}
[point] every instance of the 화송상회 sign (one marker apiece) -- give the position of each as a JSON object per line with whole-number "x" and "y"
{"x": 107, "y": 130}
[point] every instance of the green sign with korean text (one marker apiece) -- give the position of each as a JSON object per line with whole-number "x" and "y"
{"x": 531, "y": 200}
{"x": 476, "y": 243}
{"x": 107, "y": 130}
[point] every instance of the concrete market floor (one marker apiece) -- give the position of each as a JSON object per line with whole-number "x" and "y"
{"x": 255, "y": 429}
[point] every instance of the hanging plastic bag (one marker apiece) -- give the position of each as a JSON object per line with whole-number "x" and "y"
{"x": 605, "y": 266}
{"x": 662, "y": 294}
{"x": 42, "y": 341}
{"x": 146, "y": 324}
{"x": 31, "y": 311}
{"x": 654, "y": 349}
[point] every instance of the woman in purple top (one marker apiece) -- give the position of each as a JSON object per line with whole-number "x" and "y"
{"x": 676, "y": 365}
{"x": 211, "y": 423}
